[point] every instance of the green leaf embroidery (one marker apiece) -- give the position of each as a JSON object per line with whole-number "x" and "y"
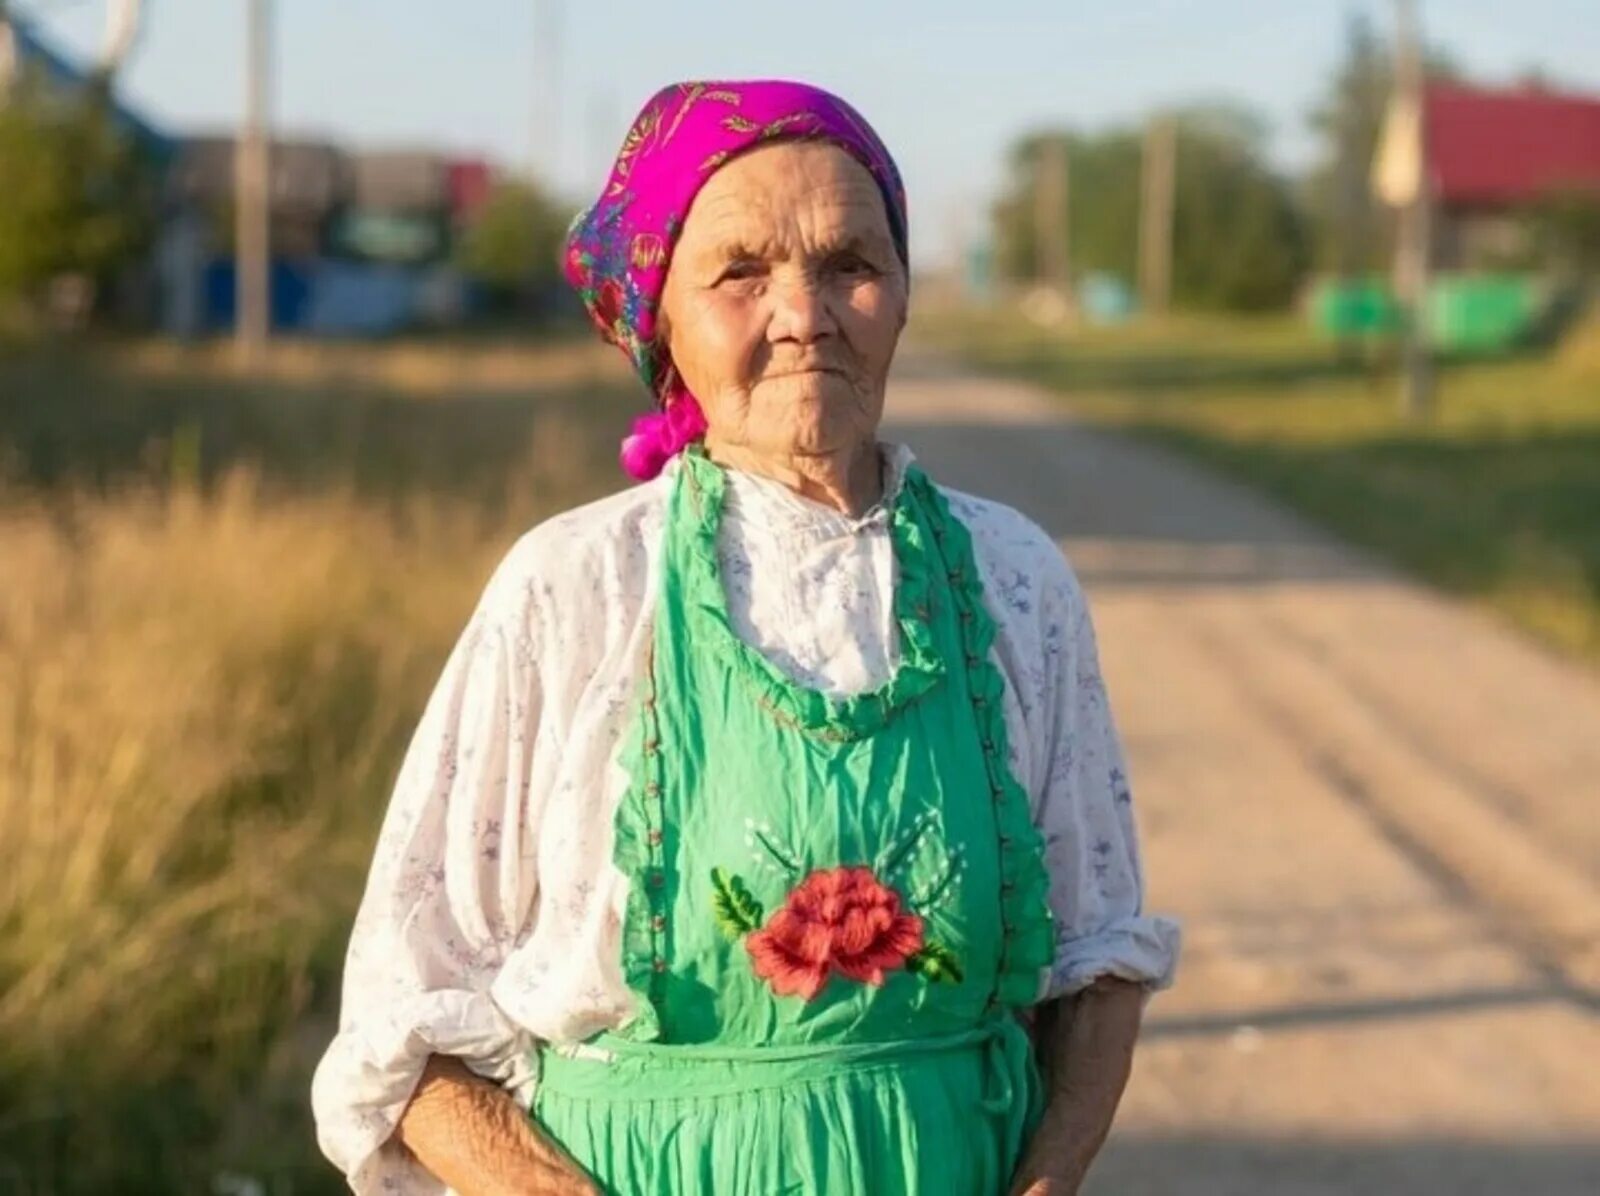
{"x": 934, "y": 893}
{"x": 936, "y": 962}
{"x": 768, "y": 841}
{"x": 900, "y": 850}
{"x": 737, "y": 912}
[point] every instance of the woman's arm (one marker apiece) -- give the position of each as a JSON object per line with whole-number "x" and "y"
{"x": 1111, "y": 953}
{"x": 450, "y": 898}
{"x": 1085, "y": 1046}
{"x": 470, "y": 1133}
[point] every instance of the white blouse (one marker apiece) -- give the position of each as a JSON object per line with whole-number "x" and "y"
{"x": 492, "y": 914}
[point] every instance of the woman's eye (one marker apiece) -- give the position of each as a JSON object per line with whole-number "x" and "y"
{"x": 741, "y": 270}
{"x": 853, "y": 264}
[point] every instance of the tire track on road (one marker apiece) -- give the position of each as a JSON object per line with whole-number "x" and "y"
{"x": 1535, "y": 904}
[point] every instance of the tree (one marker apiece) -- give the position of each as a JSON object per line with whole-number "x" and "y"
{"x": 1564, "y": 232}
{"x": 513, "y": 246}
{"x": 77, "y": 198}
{"x": 1104, "y": 222}
{"x": 1239, "y": 242}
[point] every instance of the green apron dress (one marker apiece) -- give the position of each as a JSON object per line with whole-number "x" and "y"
{"x": 835, "y": 903}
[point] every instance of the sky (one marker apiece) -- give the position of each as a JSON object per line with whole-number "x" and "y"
{"x": 948, "y": 84}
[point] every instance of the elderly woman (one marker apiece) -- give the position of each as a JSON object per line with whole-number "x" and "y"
{"x": 765, "y": 807}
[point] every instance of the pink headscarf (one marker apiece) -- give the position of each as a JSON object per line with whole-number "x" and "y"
{"x": 619, "y": 249}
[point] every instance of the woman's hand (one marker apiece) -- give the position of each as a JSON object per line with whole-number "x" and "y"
{"x": 574, "y": 1184}
{"x": 471, "y": 1135}
{"x": 1054, "y": 1164}
{"x": 577, "y": 1184}
{"x": 1085, "y": 1049}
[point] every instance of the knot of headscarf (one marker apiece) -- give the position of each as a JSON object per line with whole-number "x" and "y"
{"x": 618, "y": 250}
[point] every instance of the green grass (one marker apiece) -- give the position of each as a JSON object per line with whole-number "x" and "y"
{"x": 1497, "y": 497}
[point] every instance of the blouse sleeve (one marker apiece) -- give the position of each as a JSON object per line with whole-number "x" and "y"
{"x": 449, "y": 895}
{"x": 1086, "y": 814}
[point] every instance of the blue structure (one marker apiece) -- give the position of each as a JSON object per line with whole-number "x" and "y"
{"x": 34, "y": 53}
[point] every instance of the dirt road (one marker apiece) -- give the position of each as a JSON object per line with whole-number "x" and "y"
{"x": 1376, "y": 811}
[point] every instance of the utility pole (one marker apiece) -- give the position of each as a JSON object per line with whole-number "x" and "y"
{"x": 1413, "y": 251}
{"x": 252, "y": 172}
{"x": 1052, "y": 214}
{"x": 1157, "y": 197}
{"x": 1350, "y": 188}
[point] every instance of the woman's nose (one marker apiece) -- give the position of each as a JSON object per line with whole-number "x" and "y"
{"x": 801, "y": 311}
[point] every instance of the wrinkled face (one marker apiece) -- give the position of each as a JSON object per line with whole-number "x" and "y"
{"x": 785, "y": 300}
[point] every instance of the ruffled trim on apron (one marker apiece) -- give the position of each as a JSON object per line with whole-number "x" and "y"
{"x": 810, "y": 710}
{"x": 639, "y": 853}
{"x": 1028, "y": 925}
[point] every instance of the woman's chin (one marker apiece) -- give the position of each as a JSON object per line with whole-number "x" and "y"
{"x": 825, "y": 419}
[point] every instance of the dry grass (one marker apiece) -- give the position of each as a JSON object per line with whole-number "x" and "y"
{"x": 1580, "y": 352}
{"x": 428, "y": 369}
{"x": 205, "y": 687}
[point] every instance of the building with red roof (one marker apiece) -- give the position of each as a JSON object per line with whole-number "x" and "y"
{"x": 1494, "y": 154}
{"x": 1493, "y": 150}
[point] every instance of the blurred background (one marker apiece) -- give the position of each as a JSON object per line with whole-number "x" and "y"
{"x": 1282, "y": 317}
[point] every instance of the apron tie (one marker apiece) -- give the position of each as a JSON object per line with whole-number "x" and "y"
{"x": 998, "y": 1091}
{"x": 999, "y": 1040}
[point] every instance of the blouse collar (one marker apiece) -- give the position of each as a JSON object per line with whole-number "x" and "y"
{"x": 753, "y": 498}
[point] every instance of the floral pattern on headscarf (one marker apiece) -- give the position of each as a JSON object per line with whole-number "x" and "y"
{"x": 618, "y": 250}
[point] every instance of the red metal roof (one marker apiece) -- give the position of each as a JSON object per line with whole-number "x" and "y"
{"x": 471, "y": 182}
{"x": 1494, "y": 148}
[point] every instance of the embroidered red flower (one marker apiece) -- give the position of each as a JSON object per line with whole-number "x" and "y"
{"x": 840, "y": 920}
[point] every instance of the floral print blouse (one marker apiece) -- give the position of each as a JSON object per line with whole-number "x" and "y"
{"x": 492, "y": 913}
